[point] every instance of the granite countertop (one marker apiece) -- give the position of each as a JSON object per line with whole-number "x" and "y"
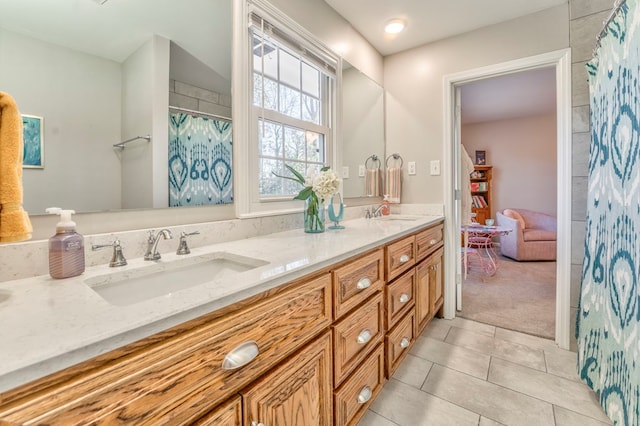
{"x": 47, "y": 325}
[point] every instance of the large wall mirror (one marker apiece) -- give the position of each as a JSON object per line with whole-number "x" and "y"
{"x": 362, "y": 127}
{"x": 95, "y": 72}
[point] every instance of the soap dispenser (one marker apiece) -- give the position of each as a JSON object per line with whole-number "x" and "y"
{"x": 66, "y": 248}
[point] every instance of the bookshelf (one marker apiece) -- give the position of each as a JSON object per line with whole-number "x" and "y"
{"x": 480, "y": 181}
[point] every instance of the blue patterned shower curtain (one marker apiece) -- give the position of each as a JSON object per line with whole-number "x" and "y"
{"x": 608, "y": 327}
{"x": 200, "y": 164}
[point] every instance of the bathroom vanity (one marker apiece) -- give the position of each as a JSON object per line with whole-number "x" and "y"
{"x": 308, "y": 337}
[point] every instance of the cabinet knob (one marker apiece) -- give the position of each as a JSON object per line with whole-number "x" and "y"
{"x": 364, "y": 395}
{"x": 404, "y": 298}
{"x": 432, "y": 242}
{"x": 363, "y": 283}
{"x": 364, "y": 336}
{"x": 241, "y": 355}
{"x": 404, "y": 258}
{"x": 404, "y": 343}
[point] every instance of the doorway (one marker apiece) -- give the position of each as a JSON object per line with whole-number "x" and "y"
{"x": 560, "y": 60}
{"x": 509, "y": 121}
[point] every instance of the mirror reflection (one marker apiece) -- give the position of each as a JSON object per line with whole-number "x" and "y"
{"x": 99, "y": 74}
{"x": 363, "y": 128}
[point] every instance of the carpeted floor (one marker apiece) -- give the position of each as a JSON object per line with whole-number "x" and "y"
{"x": 521, "y": 296}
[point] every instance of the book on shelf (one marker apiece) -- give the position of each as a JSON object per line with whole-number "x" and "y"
{"x": 479, "y": 186}
{"x": 479, "y": 202}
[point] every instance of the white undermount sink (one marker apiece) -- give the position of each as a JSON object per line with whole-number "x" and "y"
{"x": 146, "y": 282}
{"x": 398, "y": 217}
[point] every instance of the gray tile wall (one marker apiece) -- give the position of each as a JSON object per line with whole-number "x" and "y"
{"x": 186, "y": 96}
{"x": 586, "y": 21}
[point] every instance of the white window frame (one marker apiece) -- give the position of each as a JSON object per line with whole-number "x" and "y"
{"x": 245, "y": 128}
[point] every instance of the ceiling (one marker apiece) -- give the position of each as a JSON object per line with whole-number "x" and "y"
{"x": 522, "y": 94}
{"x": 429, "y": 20}
{"x": 510, "y": 96}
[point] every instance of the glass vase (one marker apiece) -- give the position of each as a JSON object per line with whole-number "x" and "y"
{"x": 313, "y": 215}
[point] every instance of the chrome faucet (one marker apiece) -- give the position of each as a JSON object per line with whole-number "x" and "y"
{"x": 377, "y": 212}
{"x": 183, "y": 248}
{"x": 117, "y": 258}
{"x": 152, "y": 243}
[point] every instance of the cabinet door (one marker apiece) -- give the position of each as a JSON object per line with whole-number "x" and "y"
{"x": 298, "y": 392}
{"x": 436, "y": 280}
{"x": 228, "y": 414}
{"x": 423, "y": 299}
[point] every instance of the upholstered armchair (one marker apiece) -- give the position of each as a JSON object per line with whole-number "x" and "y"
{"x": 533, "y": 235}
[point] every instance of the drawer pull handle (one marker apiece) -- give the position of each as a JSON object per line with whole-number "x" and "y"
{"x": 404, "y": 258}
{"x": 404, "y": 298}
{"x": 365, "y": 395}
{"x": 257, "y": 424}
{"x": 364, "y": 283}
{"x": 241, "y": 355}
{"x": 364, "y": 336}
{"x": 432, "y": 242}
{"x": 404, "y": 342}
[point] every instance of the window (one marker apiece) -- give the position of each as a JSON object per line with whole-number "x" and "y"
{"x": 292, "y": 108}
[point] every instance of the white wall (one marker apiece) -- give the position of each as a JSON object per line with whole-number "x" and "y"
{"x": 81, "y": 110}
{"x": 414, "y": 85}
{"x": 137, "y": 157}
{"x": 522, "y": 152}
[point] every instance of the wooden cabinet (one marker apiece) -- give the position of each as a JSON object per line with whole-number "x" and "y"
{"x": 298, "y": 392}
{"x": 356, "y": 394}
{"x": 181, "y": 378}
{"x": 227, "y": 414}
{"x": 398, "y": 342}
{"x": 356, "y": 335}
{"x": 400, "y": 257}
{"x": 313, "y": 351}
{"x": 436, "y": 281}
{"x": 481, "y": 192}
{"x": 423, "y": 312}
{"x": 355, "y": 281}
{"x": 399, "y": 298}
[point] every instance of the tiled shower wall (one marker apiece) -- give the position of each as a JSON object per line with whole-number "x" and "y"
{"x": 186, "y": 96}
{"x": 587, "y": 17}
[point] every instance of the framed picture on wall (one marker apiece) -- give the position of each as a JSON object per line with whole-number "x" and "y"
{"x": 481, "y": 158}
{"x": 33, "y": 136}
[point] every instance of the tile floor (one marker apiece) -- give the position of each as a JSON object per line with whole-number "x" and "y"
{"x": 460, "y": 372}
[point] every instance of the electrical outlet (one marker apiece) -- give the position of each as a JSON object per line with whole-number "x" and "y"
{"x": 412, "y": 167}
{"x": 435, "y": 167}
{"x": 345, "y": 172}
{"x": 361, "y": 170}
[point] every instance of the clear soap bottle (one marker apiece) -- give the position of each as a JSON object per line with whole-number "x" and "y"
{"x": 66, "y": 247}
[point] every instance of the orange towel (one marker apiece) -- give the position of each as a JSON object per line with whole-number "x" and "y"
{"x": 393, "y": 184}
{"x": 14, "y": 221}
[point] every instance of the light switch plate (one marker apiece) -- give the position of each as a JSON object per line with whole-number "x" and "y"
{"x": 345, "y": 172}
{"x": 412, "y": 167}
{"x": 435, "y": 167}
{"x": 361, "y": 170}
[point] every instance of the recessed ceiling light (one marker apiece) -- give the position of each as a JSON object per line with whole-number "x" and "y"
{"x": 394, "y": 26}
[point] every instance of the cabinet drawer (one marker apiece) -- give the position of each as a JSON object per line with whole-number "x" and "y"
{"x": 355, "y": 336}
{"x": 354, "y": 282}
{"x": 400, "y": 298}
{"x": 397, "y": 343}
{"x": 429, "y": 240}
{"x": 180, "y": 379}
{"x": 228, "y": 414}
{"x": 356, "y": 394}
{"x": 400, "y": 257}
